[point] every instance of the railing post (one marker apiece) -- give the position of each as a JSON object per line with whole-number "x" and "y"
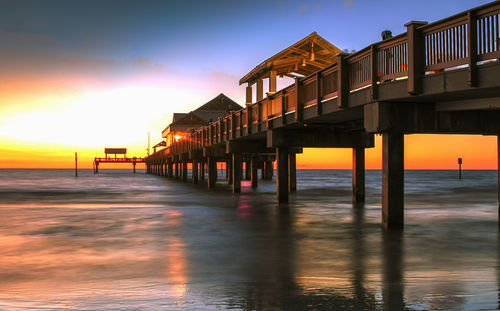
{"x": 283, "y": 108}
{"x": 374, "y": 72}
{"x": 299, "y": 105}
{"x": 259, "y": 115}
{"x": 241, "y": 122}
{"x": 472, "y": 48}
{"x": 416, "y": 57}
{"x": 233, "y": 127}
{"x": 342, "y": 80}
{"x": 248, "y": 95}
{"x": 318, "y": 94}
{"x": 260, "y": 89}
{"x": 249, "y": 120}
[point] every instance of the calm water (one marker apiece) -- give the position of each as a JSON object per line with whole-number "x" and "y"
{"x": 119, "y": 241}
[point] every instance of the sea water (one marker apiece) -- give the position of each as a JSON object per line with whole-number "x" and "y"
{"x": 123, "y": 241}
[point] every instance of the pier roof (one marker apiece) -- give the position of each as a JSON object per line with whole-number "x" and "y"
{"x": 305, "y": 57}
{"x": 208, "y": 112}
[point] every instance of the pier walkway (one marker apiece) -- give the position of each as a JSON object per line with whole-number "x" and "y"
{"x": 438, "y": 78}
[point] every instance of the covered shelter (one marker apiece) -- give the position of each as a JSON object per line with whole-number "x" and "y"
{"x": 303, "y": 58}
{"x": 183, "y": 123}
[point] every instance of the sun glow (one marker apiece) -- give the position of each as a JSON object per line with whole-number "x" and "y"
{"x": 118, "y": 117}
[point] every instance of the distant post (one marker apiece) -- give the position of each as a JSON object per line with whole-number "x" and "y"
{"x": 459, "y": 168}
{"x": 76, "y": 165}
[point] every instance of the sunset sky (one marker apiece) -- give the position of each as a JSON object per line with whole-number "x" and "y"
{"x": 78, "y": 76}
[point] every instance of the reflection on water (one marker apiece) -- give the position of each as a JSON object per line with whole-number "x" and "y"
{"x": 121, "y": 241}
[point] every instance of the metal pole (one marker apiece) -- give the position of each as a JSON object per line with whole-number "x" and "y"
{"x": 76, "y": 165}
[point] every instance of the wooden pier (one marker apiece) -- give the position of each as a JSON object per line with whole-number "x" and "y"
{"x": 116, "y": 159}
{"x": 438, "y": 78}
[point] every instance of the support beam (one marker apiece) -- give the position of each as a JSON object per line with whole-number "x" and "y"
{"x": 229, "y": 170}
{"x": 170, "y": 169}
{"x": 393, "y": 180}
{"x": 269, "y": 170}
{"x": 212, "y": 171}
{"x": 236, "y": 172}
{"x": 358, "y": 175}
{"x": 498, "y": 172}
{"x": 176, "y": 170}
{"x": 248, "y": 95}
{"x": 194, "y": 171}
{"x": 292, "y": 177}
{"x": 260, "y": 90}
{"x": 248, "y": 173}
{"x": 282, "y": 180}
{"x": 272, "y": 81}
{"x": 184, "y": 171}
{"x": 255, "y": 172}
{"x": 317, "y": 138}
{"x": 202, "y": 170}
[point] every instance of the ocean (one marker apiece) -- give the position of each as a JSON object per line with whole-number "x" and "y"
{"x": 123, "y": 241}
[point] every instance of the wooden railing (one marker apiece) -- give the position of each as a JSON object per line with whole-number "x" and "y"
{"x": 423, "y": 49}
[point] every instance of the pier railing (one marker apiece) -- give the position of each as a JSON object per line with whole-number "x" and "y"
{"x": 462, "y": 40}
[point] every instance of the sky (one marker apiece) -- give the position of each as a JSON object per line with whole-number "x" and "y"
{"x": 79, "y": 76}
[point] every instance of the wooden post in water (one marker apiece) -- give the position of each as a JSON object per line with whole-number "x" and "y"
{"x": 358, "y": 175}
{"x": 254, "y": 172}
{"x": 76, "y": 165}
{"x": 292, "y": 177}
{"x": 282, "y": 180}
{"x": 459, "y": 168}
{"x": 184, "y": 170}
{"x": 194, "y": 171}
{"x": 212, "y": 171}
{"x": 230, "y": 171}
{"x": 202, "y": 169}
{"x": 248, "y": 174}
{"x": 393, "y": 180}
{"x": 236, "y": 172}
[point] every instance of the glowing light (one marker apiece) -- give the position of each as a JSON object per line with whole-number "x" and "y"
{"x": 177, "y": 137}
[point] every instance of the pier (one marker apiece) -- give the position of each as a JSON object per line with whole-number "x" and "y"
{"x": 116, "y": 159}
{"x": 437, "y": 78}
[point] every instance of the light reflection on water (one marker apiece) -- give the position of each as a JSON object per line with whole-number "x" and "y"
{"x": 122, "y": 241}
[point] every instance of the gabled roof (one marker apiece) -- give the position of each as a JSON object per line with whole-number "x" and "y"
{"x": 305, "y": 57}
{"x": 220, "y": 103}
{"x": 211, "y": 111}
{"x": 178, "y": 116}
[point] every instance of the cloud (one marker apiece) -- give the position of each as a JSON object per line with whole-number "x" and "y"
{"x": 348, "y": 2}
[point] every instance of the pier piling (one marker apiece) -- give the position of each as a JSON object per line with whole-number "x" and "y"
{"x": 292, "y": 177}
{"x": 212, "y": 171}
{"x": 255, "y": 172}
{"x": 358, "y": 175}
{"x": 393, "y": 180}
{"x": 194, "y": 171}
{"x": 236, "y": 172}
{"x": 282, "y": 180}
